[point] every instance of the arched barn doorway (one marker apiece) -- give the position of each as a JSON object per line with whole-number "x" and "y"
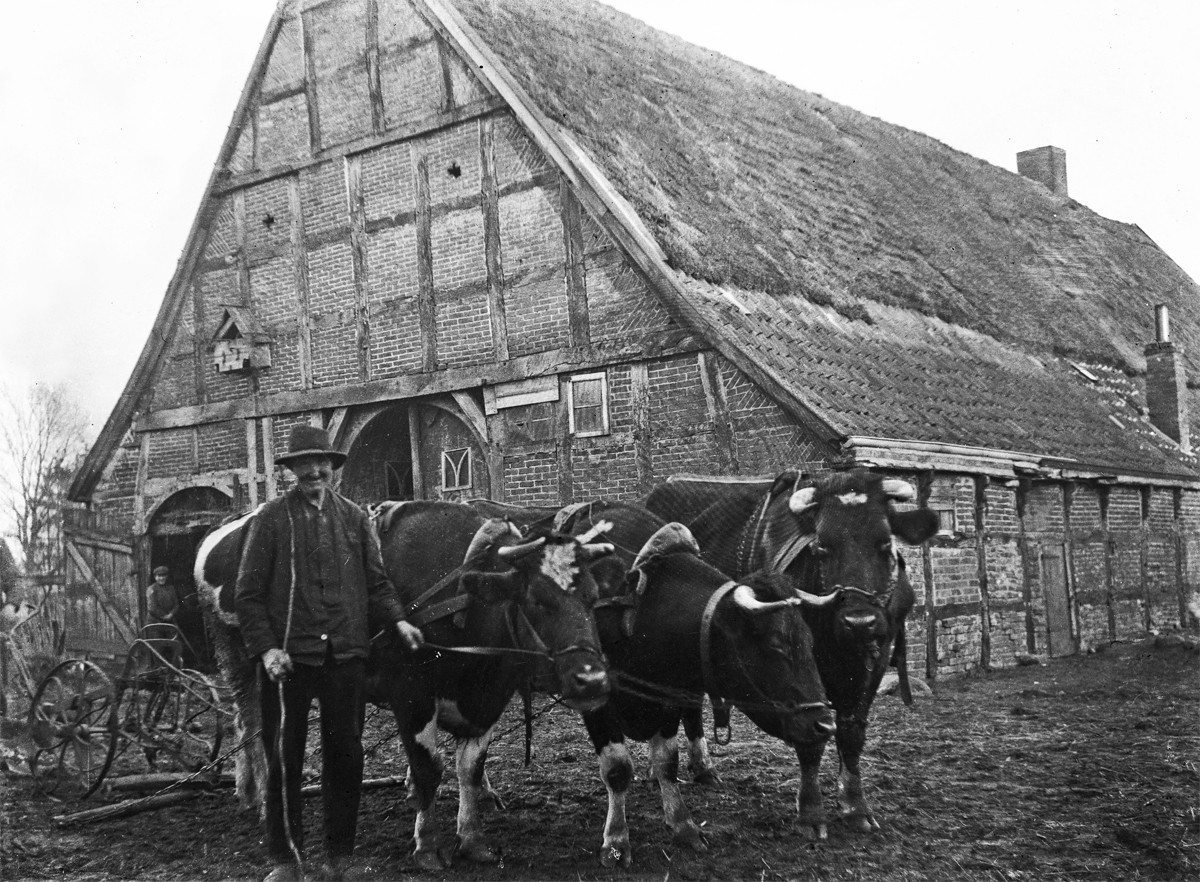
{"x": 176, "y": 528}
{"x": 420, "y": 450}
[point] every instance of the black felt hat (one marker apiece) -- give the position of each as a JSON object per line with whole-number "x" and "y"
{"x": 310, "y": 441}
{"x": 161, "y": 571}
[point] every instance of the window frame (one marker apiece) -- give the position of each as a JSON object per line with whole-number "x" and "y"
{"x": 469, "y": 459}
{"x": 604, "y": 429}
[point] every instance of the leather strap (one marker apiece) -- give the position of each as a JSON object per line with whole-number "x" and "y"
{"x": 706, "y": 637}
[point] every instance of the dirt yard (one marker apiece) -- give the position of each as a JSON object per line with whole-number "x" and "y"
{"x": 1086, "y": 768}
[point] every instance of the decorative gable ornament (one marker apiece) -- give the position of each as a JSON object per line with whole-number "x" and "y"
{"x": 240, "y": 343}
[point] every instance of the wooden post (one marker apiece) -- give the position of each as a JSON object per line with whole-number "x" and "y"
{"x": 300, "y": 278}
{"x": 643, "y": 439}
{"x": 358, "y": 252}
{"x": 268, "y": 436}
{"x": 1109, "y": 550}
{"x": 924, "y": 489}
{"x": 718, "y": 412}
{"x": 414, "y": 447}
{"x": 491, "y": 239}
{"x": 310, "y": 86}
{"x": 577, "y": 306}
{"x": 374, "y": 87}
{"x": 985, "y": 604}
{"x": 566, "y": 477}
{"x": 426, "y": 306}
{"x": 252, "y": 461}
{"x": 1027, "y": 555}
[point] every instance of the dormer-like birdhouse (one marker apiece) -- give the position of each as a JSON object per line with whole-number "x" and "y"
{"x": 240, "y": 343}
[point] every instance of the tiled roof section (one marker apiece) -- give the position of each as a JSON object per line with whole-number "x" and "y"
{"x": 894, "y": 373}
{"x": 749, "y": 182}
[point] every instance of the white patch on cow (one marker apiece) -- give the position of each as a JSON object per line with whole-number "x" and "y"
{"x": 210, "y": 595}
{"x": 853, "y": 498}
{"x": 449, "y": 714}
{"x": 560, "y": 566}
{"x": 428, "y": 736}
{"x": 471, "y": 755}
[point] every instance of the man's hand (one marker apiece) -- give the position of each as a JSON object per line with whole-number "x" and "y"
{"x": 278, "y": 664}
{"x": 410, "y": 636}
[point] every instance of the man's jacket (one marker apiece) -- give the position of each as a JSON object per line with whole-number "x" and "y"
{"x": 337, "y": 616}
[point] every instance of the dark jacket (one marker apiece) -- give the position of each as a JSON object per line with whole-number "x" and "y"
{"x": 344, "y": 616}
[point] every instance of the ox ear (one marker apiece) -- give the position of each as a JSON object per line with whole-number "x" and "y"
{"x": 490, "y": 588}
{"x": 915, "y": 526}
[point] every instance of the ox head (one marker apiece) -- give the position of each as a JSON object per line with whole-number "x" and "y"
{"x": 854, "y": 524}
{"x": 755, "y": 649}
{"x": 544, "y": 581}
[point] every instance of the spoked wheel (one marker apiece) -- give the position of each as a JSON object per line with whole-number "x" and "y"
{"x": 177, "y": 721}
{"x": 72, "y": 722}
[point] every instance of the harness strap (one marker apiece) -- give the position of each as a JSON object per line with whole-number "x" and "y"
{"x": 787, "y": 555}
{"x": 437, "y": 611}
{"x": 710, "y": 609}
{"x": 430, "y": 592}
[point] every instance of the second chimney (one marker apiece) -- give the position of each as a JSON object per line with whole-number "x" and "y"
{"x": 1047, "y": 166}
{"x": 1166, "y": 388}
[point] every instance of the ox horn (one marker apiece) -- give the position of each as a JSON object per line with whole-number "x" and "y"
{"x": 509, "y": 553}
{"x": 902, "y": 491}
{"x": 597, "y": 528}
{"x": 743, "y": 596}
{"x": 803, "y": 499}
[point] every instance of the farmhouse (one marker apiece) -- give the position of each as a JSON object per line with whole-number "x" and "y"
{"x": 541, "y": 252}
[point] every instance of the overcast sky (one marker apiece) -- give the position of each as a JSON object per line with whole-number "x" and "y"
{"x": 114, "y": 110}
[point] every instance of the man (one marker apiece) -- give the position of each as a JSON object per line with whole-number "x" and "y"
{"x": 311, "y": 589}
{"x": 161, "y": 601}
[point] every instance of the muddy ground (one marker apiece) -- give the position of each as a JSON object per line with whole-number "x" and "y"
{"x": 1086, "y": 768}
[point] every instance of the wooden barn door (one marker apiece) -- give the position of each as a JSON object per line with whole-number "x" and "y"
{"x": 1060, "y": 640}
{"x": 449, "y": 462}
{"x": 101, "y": 612}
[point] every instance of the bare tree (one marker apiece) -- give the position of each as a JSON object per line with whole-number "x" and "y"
{"x": 42, "y": 438}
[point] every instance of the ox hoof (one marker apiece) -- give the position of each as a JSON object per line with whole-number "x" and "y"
{"x": 818, "y": 832}
{"x": 707, "y": 778}
{"x": 862, "y": 823}
{"x": 616, "y": 855}
{"x": 431, "y": 861}
{"x": 689, "y": 836}
{"x": 477, "y": 852}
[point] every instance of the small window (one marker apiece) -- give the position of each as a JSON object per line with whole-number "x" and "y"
{"x": 397, "y": 478}
{"x": 588, "y": 405}
{"x": 947, "y": 522}
{"x": 456, "y": 469}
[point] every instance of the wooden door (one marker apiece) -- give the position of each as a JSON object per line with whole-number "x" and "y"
{"x": 1059, "y": 636}
{"x": 450, "y": 461}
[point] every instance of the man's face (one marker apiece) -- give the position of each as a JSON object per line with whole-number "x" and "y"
{"x": 314, "y": 475}
{"x": 160, "y": 578}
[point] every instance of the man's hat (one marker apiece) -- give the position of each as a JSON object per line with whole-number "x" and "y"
{"x": 161, "y": 571}
{"x": 310, "y": 441}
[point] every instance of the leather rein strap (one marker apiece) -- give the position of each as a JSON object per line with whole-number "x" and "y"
{"x": 706, "y": 637}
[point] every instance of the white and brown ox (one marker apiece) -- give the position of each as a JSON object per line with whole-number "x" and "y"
{"x": 833, "y": 535}
{"x": 509, "y": 600}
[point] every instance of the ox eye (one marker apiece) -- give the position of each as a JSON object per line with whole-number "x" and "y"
{"x": 820, "y": 551}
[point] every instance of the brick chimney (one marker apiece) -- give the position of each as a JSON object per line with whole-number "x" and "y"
{"x": 1166, "y": 385}
{"x": 1047, "y": 166}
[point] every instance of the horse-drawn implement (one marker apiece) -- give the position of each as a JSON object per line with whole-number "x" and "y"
{"x": 92, "y": 719}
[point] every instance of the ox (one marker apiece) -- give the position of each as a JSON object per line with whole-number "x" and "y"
{"x": 675, "y": 628}
{"x": 491, "y": 603}
{"x": 833, "y": 536}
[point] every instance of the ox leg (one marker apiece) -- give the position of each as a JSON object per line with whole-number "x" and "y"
{"x": 851, "y": 736}
{"x": 472, "y": 785}
{"x": 616, "y": 771}
{"x": 664, "y": 760}
{"x": 809, "y": 805}
{"x": 424, "y": 775}
{"x": 699, "y": 761}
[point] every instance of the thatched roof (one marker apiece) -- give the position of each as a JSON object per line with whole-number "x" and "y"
{"x": 909, "y": 290}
